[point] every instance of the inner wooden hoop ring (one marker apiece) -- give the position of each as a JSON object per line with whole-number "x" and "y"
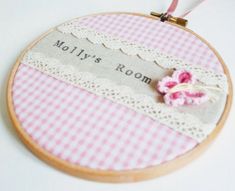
{"x": 107, "y": 175}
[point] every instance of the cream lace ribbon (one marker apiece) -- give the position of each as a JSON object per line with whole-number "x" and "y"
{"x": 206, "y": 76}
{"x": 184, "y": 123}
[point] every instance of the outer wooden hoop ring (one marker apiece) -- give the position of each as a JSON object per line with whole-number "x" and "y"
{"x": 116, "y": 176}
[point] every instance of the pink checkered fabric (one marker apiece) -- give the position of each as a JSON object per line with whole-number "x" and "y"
{"x": 156, "y": 35}
{"x": 84, "y": 129}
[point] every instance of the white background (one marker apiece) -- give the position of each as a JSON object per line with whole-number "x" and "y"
{"x": 21, "y": 21}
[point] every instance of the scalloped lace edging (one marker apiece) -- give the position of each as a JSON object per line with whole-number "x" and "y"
{"x": 182, "y": 122}
{"x": 206, "y": 76}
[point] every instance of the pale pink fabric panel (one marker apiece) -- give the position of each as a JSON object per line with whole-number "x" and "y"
{"x": 155, "y": 35}
{"x": 88, "y": 130}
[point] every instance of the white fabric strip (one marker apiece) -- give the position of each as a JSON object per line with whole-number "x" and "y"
{"x": 180, "y": 121}
{"x": 206, "y": 76}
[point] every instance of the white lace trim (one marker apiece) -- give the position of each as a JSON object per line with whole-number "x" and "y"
{"x": 206, "y": 76}
{"x": 181, "y": 122}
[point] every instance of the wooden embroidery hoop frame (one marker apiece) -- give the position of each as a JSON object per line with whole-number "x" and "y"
{"x": 116, "y": 176}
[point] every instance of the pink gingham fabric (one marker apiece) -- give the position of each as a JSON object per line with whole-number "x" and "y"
{"x": 91, "y": 131}
{"x": 155, "y": 35}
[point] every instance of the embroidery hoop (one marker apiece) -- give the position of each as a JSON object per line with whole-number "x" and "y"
{"x": 116, "y": 176}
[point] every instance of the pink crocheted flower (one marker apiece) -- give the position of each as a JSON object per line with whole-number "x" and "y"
{"x": 180, "y": 89}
